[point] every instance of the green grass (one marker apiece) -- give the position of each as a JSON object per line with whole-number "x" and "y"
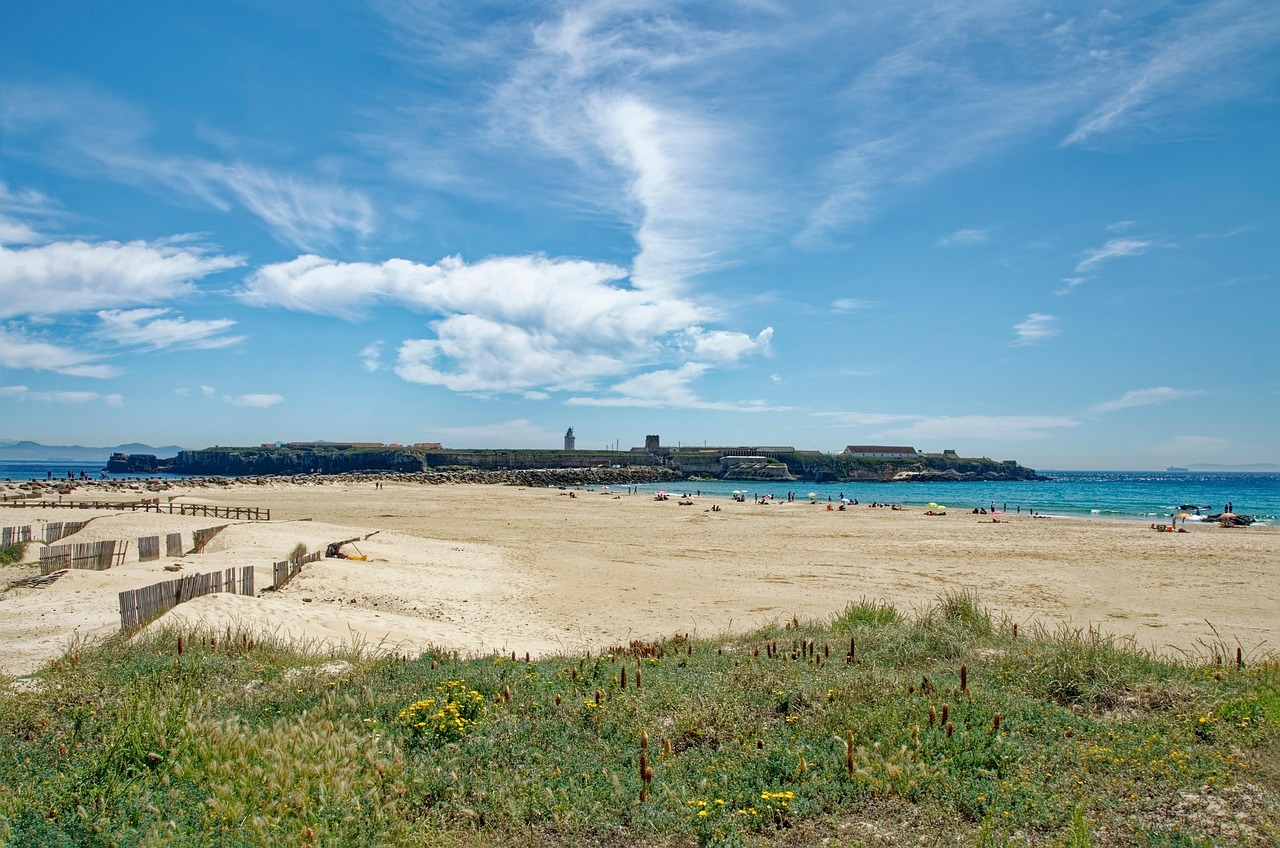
{"x": 13, "y": 554}
{"x": 1060, "y": 738}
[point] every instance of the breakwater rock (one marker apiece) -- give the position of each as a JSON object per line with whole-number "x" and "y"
{"x": 960, "y": 477}
{"x": 283, "y": 461}
{"x": 531, "y": 477}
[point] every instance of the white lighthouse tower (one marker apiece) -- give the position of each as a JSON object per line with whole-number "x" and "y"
{"x": 569, "y": 439}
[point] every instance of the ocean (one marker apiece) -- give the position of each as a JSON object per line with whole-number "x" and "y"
{"x": 59, "y": 469}
{"x": 1131, "y": 495}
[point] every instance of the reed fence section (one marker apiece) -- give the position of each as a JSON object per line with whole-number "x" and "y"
{"x": 14, "y": 535}
{"x": 57, "y": 530}
{"x": 95, "y": 556}
{"x": 140, "y": 606}
{"x": 148, "y": 548}
{"x": 283, "y": 572}
{"x": 200, "y": 538}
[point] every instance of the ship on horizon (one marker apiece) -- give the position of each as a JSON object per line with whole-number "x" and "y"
{"x": 1177, "y": 468}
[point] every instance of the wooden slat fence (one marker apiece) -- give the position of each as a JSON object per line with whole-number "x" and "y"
{"x": 96, "y": 556}
{"x": 14, "y": 535}
{"x": 202, "y": 537}
{"x": 283, "y": 572}
{"x": 241, "y": 513}
{"x": 148, "y": 548}
{"x": 140, "y": 606}
{"x": 55, "y": 530}
{"x": 173, "y": 545}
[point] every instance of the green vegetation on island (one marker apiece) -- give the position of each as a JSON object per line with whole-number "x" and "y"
{"x": 940, "y": 728}
{"x": 689, "y": 463}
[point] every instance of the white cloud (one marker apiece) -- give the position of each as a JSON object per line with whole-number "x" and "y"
{"x": 1071, "y": 283}
{"x": 208, "y": 391}
{"x": 371, "y": 356}
{"x": 655, "y": 116}
{"x": 1183, "y": 65}
{"x": 301, "y": 212}
{"x": 512, "y": 324}
{"x": 1036, "y": 327}
{"x": 73, "y": 276}
{"x": 16, "y": 232}
{"x": 19, "y": 352}
{"x": 1111, "y": 250}
{"x": 16, "y": 205}
{"x": 68, "y": 398}
{"x": 262, "y": 401}
{"x": 1142, "y": 397}
{"x": 721, "y": 346}
{"x": 668, "y": 389}
{"x": 851, "y": 304}
{"x": 92, "y": 132}
{"x": 964, "y": 238}
{"x": 687, "y": 217}
{"x": 474, "y": 354}
{"x": 27, "y": 201}
{"x": 865, "y": 419}
{"x": 148, "y": 328}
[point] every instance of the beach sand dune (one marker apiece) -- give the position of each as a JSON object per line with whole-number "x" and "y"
{"x": 478, "y": 568}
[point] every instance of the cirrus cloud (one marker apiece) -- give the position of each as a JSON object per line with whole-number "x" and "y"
{"x": 19, "y": 352}
{"x": 1036, "y": 327}
{"x": 254, "y": 401}
{"x": 149, "y": 328}
{"x": 1142, "y": 397}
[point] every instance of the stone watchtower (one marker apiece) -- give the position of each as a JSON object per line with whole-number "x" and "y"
{"x": 651, "y": 444}
{"x": 569, "y": 440}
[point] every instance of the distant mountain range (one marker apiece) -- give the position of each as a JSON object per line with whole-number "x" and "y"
{"x": 11, "y": 451}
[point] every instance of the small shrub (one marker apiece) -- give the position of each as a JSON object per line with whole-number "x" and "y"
{"x": 960, "y": 609}
{"x": 1075, "y": 666}
{"x": 13, "y": 554}
{"x": 866, "y": 614}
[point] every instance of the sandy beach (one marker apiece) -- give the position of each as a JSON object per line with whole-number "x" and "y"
{"x": 480, "y": 568}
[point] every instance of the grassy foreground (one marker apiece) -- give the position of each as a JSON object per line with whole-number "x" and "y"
{"x": 945, "y": 727}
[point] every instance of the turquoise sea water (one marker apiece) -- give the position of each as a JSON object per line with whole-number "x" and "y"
{"x": 1135, "y": 495}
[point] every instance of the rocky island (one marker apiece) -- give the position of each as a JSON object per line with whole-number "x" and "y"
{"x": 652, "y": 463}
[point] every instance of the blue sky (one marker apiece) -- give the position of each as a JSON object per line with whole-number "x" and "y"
{"x": 1042, "y": 231}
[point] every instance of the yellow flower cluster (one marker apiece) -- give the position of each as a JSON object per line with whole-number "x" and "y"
{"x": 448, "y": 715}
{"x": 774, "y": 804}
